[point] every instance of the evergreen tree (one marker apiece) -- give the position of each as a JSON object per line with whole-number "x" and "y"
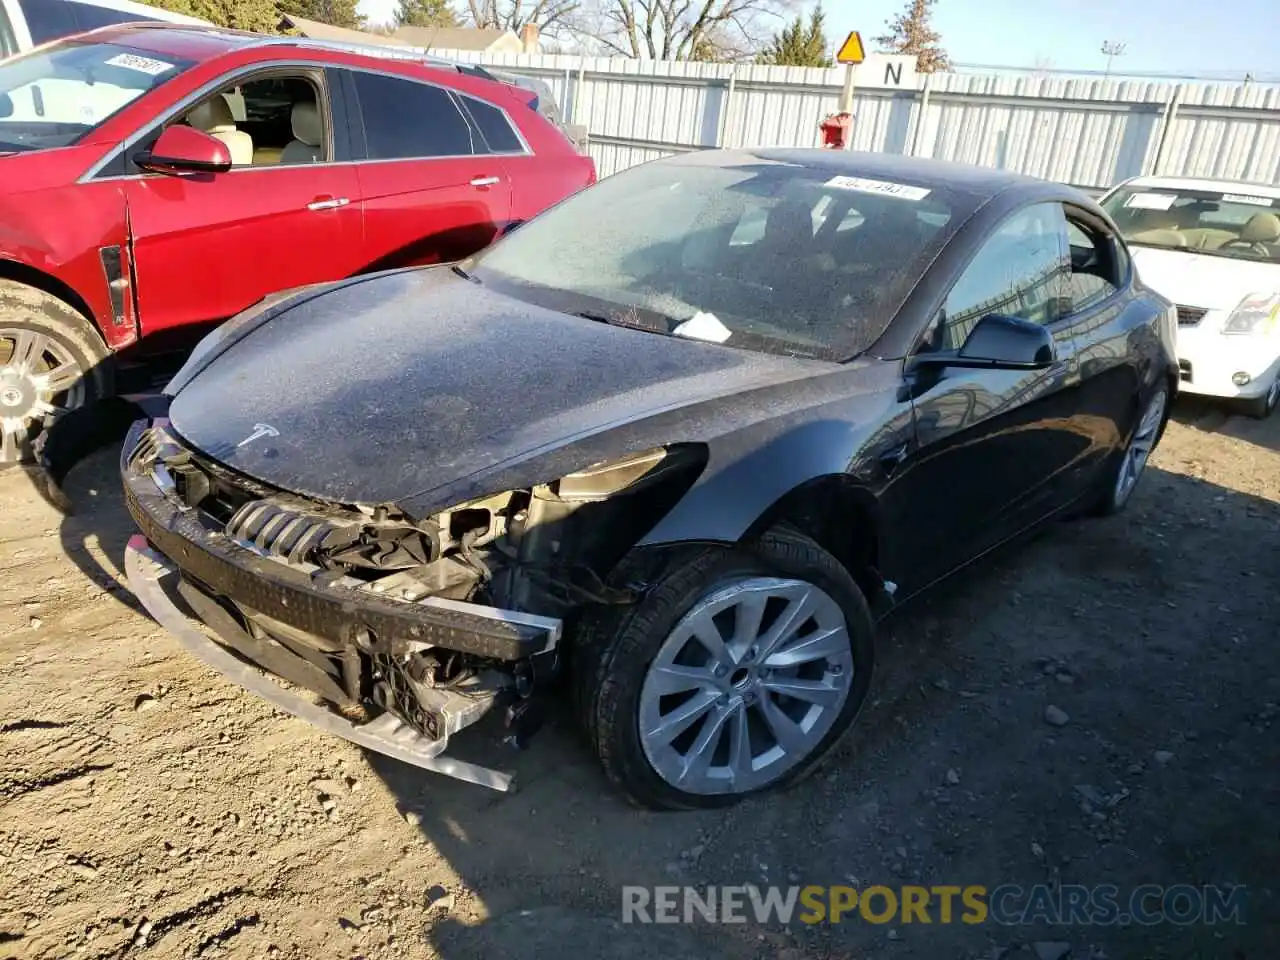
{"x": 262, "y": 16}
{"x": 799, "y": 44}
{"x": 911, "y": 32}
{"x": 338, "y": 13}
{"x": 425, "y": 13}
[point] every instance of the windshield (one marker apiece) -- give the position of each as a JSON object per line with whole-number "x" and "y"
{"x": 763, "y": 255}
{"x": 1211, "y": 222}
{"x": 54, "y": 95}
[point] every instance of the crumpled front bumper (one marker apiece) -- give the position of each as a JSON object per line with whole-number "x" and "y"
{"x": 337, "y": 611}
{"x": 181, "y": 562}
{"x": 153, "y": 579}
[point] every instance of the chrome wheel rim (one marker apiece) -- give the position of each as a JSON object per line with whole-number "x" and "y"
{"x": 1139, "y": 449}
{"x": 39, "y": 378}
{"x": 746, "y": 686}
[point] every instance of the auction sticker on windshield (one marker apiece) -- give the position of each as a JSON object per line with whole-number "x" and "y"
{"x": 1246, "y": 198}
{"x": 131, "y": 61}
{"x": 882, "y": 187}
{"x": 1150, "y": 201}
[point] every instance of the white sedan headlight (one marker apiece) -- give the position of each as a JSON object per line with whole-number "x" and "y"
{"x": 1255, "y": 314}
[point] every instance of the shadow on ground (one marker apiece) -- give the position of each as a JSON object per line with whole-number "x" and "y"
{"x": 1153, "y": 631}
{"x": 1216, "y": 416}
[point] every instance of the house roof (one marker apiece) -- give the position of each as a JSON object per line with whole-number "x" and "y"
{"x": 450, "y": 38}
{"x": 324, "y": 31}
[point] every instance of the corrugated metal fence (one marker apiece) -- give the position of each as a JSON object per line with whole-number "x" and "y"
{"x": 1090, "y": 132}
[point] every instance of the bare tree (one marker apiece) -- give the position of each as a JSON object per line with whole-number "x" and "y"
{"x": 1042, "y": 66}
{"x": 680, "y": 29}
{"x": 549, "y": 16}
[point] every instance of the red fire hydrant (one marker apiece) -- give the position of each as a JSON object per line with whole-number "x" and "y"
{"x": 837, "y": 129}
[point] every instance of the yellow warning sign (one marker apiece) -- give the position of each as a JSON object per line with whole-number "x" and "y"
{"x": 851, "y": 50}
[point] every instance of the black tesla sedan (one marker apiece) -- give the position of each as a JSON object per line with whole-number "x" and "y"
{"x": 675, "y": 443}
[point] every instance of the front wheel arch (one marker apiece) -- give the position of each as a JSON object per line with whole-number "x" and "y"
{"x": 30, "y": 276}
{"x": 841, "y": 517}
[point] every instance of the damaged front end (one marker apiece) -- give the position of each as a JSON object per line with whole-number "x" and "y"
{"x": 407, "y": 630}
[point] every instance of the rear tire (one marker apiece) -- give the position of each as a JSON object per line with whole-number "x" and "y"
{"x": 51, "y": 361}
{"x": 625, "y": 658}
{"x": 1121, "y": 479}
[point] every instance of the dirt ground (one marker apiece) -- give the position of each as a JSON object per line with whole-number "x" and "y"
{"x": 148, "y": 807}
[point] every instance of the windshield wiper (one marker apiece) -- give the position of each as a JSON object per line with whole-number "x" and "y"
{"x": 662, "y": 326}
{"x": 464, "y": 275}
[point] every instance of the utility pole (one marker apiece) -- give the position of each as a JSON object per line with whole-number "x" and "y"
{"x": 1112, "y": 49}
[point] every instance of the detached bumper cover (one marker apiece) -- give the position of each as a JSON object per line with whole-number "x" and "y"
{"x": 333, "y": 610}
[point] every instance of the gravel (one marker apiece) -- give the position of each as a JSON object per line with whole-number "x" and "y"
{"x": 1164, "y": 617}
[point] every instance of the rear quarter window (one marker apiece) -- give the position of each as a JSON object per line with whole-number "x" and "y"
{"x": 494, "y": 126}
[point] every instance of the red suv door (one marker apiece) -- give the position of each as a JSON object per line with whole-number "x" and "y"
{"x": 207, "y": 246}
{"x": 430, "y": 192}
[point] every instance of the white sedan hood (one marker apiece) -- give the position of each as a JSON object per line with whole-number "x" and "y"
{"x": 1203, "y": 280}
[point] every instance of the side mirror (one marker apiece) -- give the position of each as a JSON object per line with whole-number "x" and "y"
{"x": 186, "y": 150}
{"x": 1003, "y": 341}
{"x": 6, "y": 106}
{"x": 1000, "y": 342}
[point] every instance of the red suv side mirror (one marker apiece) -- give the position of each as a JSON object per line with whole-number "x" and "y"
{"x": 186, "y": 150}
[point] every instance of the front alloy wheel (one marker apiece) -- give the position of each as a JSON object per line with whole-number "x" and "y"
{"x": 746, "y": 686}
{"x": 737, "y": 672}
{"x": 40, "y": 378}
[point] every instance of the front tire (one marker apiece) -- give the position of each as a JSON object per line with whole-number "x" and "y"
{"x": 1262, "y": 407}
{"x": 737, "y": 673}
{"x": 51, "y": 361}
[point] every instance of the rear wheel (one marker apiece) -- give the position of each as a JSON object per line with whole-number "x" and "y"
{"x": 51, "y": 361}
{"x": 1262, "y": 407}
{"x": 1122, "y": 479}
{"x": 737, "y": 673}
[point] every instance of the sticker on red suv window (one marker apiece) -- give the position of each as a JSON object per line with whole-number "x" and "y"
{"x": 131, "y": 61}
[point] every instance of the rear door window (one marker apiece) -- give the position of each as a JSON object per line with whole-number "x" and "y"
{"x": 404, "y": 119}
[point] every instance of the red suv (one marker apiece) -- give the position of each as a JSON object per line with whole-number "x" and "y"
{"x": 157, "y": 177}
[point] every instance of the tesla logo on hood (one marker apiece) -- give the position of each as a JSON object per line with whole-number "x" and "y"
{"x": 260, "y": 430}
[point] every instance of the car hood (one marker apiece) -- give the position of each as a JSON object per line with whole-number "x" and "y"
{"x": 390, "y": 387}
{"x": 1201, "y": 280}
{"x": 29, "y": 170}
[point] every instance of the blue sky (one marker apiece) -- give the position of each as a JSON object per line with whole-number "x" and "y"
{"x": 1166, "y": 36}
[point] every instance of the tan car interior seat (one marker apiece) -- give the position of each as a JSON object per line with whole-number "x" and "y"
{"x": 308, "y": 133}
{"x": 214, "y": 117}
{"x": 1262, "y": 228}
{"x": 1160, "y": 228}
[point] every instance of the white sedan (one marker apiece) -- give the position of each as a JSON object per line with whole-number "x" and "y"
{"x": 1213, "y": 248}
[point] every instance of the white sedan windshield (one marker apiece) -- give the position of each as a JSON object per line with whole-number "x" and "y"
{"x": 54, "y": 95}
{"x": 1217, "y": 223}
